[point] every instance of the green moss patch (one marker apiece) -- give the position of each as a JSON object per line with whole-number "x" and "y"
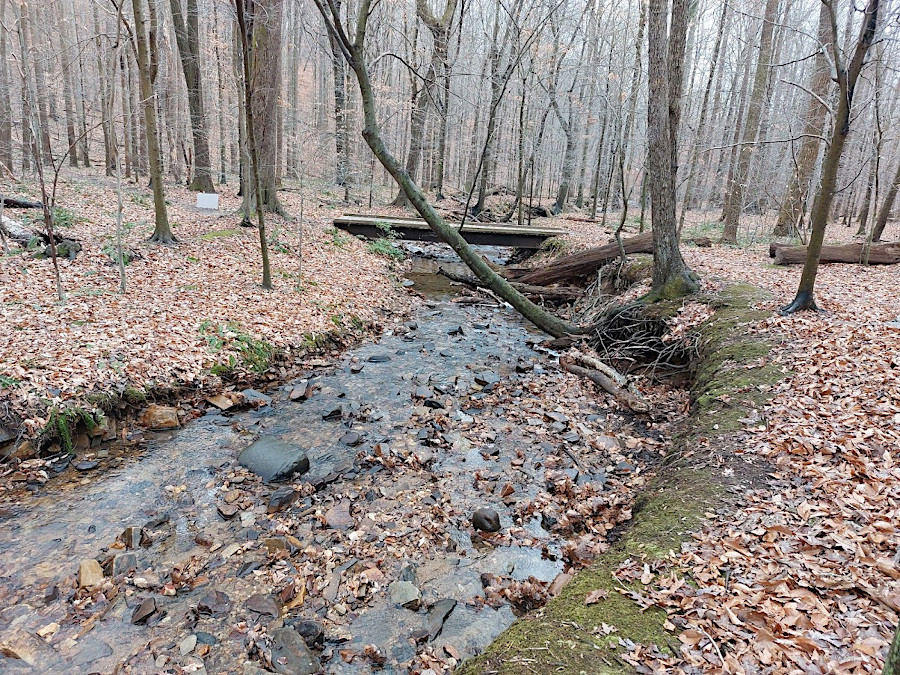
{"x": 568, "y": 637}
{"x": 218, "y": 234}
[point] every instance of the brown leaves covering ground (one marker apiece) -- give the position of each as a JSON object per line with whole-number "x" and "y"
{"x": 99, "y": 340}
{"x": 803, "y": 576}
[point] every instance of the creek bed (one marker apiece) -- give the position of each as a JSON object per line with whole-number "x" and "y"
{"x": 451, "y": 411}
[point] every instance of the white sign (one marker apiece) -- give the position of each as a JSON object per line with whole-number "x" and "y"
{"x": 208, "y": 201}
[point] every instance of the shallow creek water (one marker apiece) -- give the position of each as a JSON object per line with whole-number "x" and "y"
{"x": 397, "y": 502}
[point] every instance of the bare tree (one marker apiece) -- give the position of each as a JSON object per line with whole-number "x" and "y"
{"x": 847, "y": 77}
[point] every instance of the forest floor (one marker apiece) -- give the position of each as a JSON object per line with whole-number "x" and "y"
{"x": 800, "y": 575}
{"x": 190, "y": 310}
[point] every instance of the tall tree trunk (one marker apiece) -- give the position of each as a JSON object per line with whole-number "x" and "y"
{"x": 6, "y": 141}
{"x": 846, "y": 79}
{"x": 863, "y": 217}
{"x": 339, "y": 76}
{"x": 798, "y": 186}
{"x": 106, "y": 124}
{"x": 187, "y": 38}
{"x": 264, "y": 26}
{"x": 67, "y": 67}
{"x": 700, "y": 136}
{"x": 734, "y": 201}
{"x": 39, "y": 59}
{"x": 147, "y": 69}
{"x": 671, "y": 276}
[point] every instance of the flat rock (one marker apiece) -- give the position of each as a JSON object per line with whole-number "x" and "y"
{"x": 486, "y": 377}
{"x": 300, "y": 391}
{"x": 405, "y": 594}
{"x": 263, "y": 603}
{"x": 274, "y": 460}
{"x": 160, "y": 417}
{"x": 87, "y": 465}
{"x": 334, "y": 412}
{"x": 221, "y": 401}
{"x": 351, "y": 438}
{"x": 187, "y": 645}
{"x": 89, "y": 573}
{"x": 379, "y": 358}
{"x": 438, "y": 615}
{"x": 338, "y": 517}
{"x": 215, "y": 603}
{"x": 256, "y": 398}
{"x": 290, "y": 655}
{"x": 143, "y": 611}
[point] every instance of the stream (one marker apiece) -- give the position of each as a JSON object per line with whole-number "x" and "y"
{"x": 373, "y": 560}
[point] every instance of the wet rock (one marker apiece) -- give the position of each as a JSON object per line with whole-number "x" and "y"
{"x": 486, "y": 520}
{"x": 89, "y": 573}
{"x": 274, "y": 460}
{"x": 338, "y": 517}
{"x": 455, "y": 330}
{"x": 312, "y": 632}
{"x": 332, "y": 413}
{"x": 290, "y": 655}
{"x": 264, "y": 604}
{"x": 434, "y": 404}
{"x": 357, "y": 368}
{"x": 351, "y": 438}
{"x": 87, "y": 465}
{"x": 438, "y": 615}
{"x": 379, "y": 358}
{"x": 144, "y": 611}
{"x": 187, "y": 645}
{"x": 215, "y": 603}
{"x": 282, "y": 499}
{"x": 160, "y": 417}
{"x": 405, "y": 594}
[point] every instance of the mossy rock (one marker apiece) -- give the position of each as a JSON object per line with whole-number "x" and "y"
{"x": 561, "y": 637}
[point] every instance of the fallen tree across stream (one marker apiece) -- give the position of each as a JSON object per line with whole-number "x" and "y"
{"x": 571, "y": 268}
{"x": 532, "y": 292}
{"x": 879, "y": 254}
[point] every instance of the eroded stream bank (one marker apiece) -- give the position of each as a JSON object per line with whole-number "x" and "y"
{"x": 373, "y": 559}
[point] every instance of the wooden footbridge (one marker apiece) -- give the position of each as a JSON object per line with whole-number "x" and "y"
{"x": 414, "y": 229}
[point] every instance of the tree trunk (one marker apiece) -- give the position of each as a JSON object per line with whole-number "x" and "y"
{"x": 187, "y": 37}
{"x": 886, "y": 206}
{"x": 846, "y": 78}
{"x": 340, "y": 111}
{"x": 892, "y": 661}
{"x": 162, "y": 233}
{"x": 6, "y": 145}
{"x": 671, "y": 276}
{"x": 791, "y": 208}
{"x": 734, "y": 201}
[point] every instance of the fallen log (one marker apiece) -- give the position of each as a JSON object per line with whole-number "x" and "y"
{"x": 15, "y": 231}
{"x": 14, "y": 203}
{"x": 570, "y": 268}
{"x": 543, "y": 293}
{"x": 623, "y": 396}
{"x": 879, "y": 254}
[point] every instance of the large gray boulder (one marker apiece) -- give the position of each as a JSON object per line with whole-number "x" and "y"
{"x": 274, "y": 460}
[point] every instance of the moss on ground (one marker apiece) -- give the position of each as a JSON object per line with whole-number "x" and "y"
{"x": 566, "y": 636}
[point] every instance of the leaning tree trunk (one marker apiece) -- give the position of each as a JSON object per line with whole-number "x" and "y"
{"x": 798, "y": 187}
{"x": 734, "y": 201}
{"x": 354, "y": 52}
{"x": 846, "y": 78}
{"x": 187, "y": 37}
{"x": 162, "y": 233}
